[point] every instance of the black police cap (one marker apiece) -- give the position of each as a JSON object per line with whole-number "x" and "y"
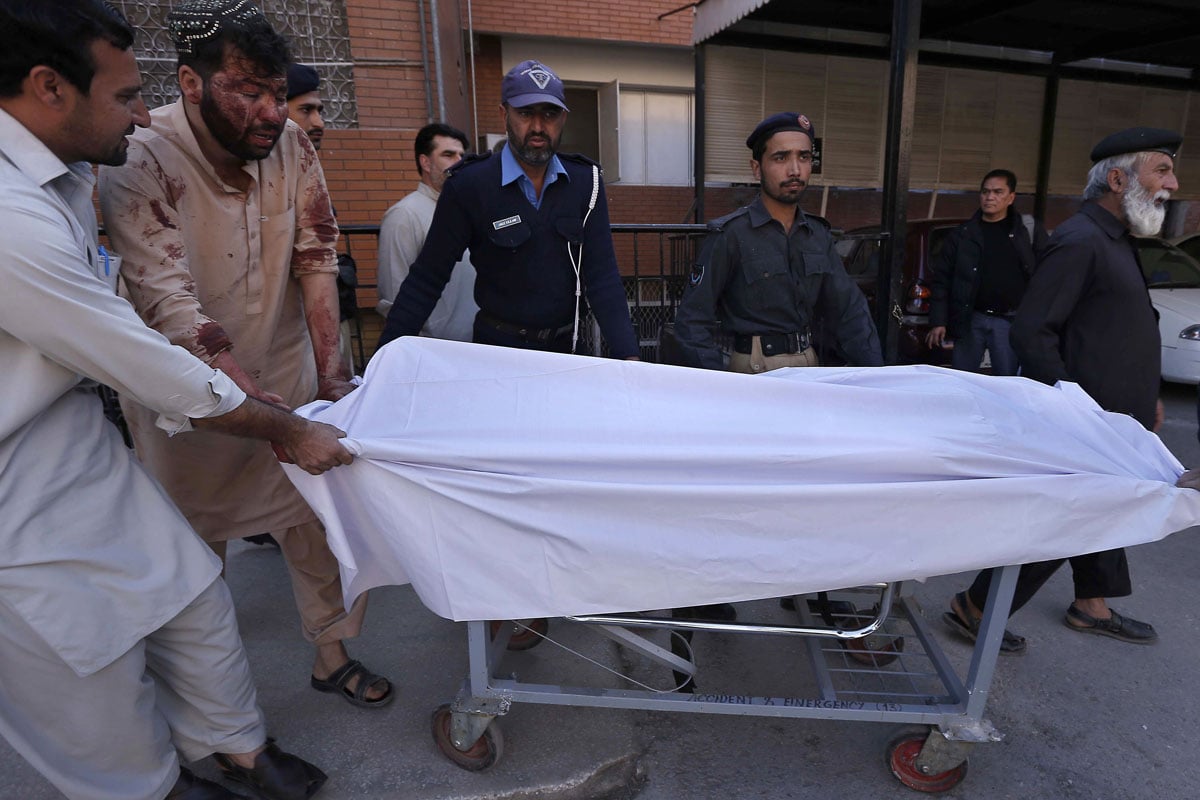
{"x": 784, "y": 121}
{"x": 1137, "y": 140}
{"x": 301, "y": 79}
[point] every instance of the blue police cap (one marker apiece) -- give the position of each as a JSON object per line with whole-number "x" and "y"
{"x": 530, "y": 83}
{"x": 1137, "y": 140}
{"x": 784, "y": 121}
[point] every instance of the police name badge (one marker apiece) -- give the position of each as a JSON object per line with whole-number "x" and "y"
{"x": 504, "y": 223}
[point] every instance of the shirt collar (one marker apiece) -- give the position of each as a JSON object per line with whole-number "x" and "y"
{"x": 510, "y": 170}
{"x": 30, "y": 155}
{"x": 427, "y": 190}
{"x": 759, "y": 215}
{"x": 1104, "y": 218}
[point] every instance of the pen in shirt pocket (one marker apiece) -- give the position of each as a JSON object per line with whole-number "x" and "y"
{"x": 104, "y": 257}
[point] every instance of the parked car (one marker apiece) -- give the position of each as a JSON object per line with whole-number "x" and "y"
{"x": 1189, "y": 244}
{"x": 859, "y": 249}
{"x": 1173, "y": 278}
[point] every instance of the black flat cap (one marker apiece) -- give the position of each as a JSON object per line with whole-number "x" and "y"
{"x": 784, "y": 121}
{"x": 1137, "y": 140}
{"x": 302, "y": 79}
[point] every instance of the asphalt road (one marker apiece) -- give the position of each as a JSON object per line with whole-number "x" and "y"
{"x": 1083, "y": 717}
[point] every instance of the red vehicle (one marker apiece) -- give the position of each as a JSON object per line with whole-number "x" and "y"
{"x": 859, "y": 249}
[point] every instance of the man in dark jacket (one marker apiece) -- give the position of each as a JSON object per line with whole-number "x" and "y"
{"x": 765, "y": 270}
{"x": 1087, "y": 318}
{"x": 980, "y": 277}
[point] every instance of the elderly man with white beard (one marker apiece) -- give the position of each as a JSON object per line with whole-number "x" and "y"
{"x": 1086, "y": 317}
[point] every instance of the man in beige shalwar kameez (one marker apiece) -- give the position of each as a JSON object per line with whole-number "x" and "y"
{"x": 224, "y": 223}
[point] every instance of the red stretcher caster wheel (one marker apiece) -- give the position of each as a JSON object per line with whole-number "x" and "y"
{"x": 483, "y": 754}
{"x": 901, "y": 755}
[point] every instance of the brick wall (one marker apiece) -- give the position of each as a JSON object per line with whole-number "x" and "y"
{"x": 607, "y": 20}
{"x": 390, "y": 85}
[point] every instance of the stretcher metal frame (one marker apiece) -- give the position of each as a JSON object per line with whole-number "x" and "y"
{"x": 953, "y": 712}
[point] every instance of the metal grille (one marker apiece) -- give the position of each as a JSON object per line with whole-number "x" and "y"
{"x": 316, "y": 29}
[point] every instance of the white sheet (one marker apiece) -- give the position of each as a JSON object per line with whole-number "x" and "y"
{"x": 508, "y": 484}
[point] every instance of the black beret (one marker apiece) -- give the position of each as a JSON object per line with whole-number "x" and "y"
{"x": 784, "y": 121}
{"x": 302, "y": 79}
{"x": 1137, "y": 140}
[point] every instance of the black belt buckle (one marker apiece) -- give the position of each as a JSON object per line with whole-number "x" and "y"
{"x": 774, "y": 344}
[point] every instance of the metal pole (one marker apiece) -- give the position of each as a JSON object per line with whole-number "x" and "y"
{"x": 425, "y": 64}
{"x": 437, "y": 59}
{"x": 902, "y": 99}
{"x": 1046, "y": 144}
{"x": 698, "y": 139}
{"x": 474, "y": 99}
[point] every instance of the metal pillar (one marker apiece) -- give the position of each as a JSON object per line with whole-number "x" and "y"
{"x": 698, "y": 155}
{"x": 1046, "y": 144}
{"x": 902, "y": 100}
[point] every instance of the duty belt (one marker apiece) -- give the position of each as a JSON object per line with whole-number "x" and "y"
{"x": 773, "y": 344}
{"x": 539, "y": 335}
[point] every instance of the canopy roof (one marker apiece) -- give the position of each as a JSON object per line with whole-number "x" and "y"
{"x": 1156, "y": 39}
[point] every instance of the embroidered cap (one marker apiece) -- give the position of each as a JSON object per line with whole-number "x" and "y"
{"x": 532, "y": 82}
{"x": 784, "y": 121}
{"x": 198, "y": 20}
{"x": 301, "y": 79}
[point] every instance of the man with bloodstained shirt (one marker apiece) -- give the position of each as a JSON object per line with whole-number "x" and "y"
{"x": 224, "y": 225}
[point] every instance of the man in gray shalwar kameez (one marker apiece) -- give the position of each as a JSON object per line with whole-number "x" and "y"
{"x": 119, "y": 651}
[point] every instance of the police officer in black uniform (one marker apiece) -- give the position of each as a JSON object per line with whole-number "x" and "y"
{"x": 536, "y": 223}
{"x": 766, "y": 269}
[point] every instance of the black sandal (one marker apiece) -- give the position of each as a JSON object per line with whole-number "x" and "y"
{"x": 1118, "y": 627}
{"x": 366, "y": 679}
{"x": 276, "y": 775}
{"x": 1011, "y": 644}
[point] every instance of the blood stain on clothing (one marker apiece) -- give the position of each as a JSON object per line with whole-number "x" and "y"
{"x": 161, "y": 215}
{"x": 212, "y": 338}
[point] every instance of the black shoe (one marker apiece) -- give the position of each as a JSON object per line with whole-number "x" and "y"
{"x": 262, "y": 539}
{"x": 276, "y": 775}
{"x": 189, "y": 787}
{"x": 717, "y": 612}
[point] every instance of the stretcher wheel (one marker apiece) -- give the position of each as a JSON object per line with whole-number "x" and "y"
{"x": 901, "y": 755}
{"x": 525, "y": 638}
{"x": 483, "y": 754}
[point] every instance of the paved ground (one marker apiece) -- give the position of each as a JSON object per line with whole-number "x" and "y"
{"x": 1083, "y": 717}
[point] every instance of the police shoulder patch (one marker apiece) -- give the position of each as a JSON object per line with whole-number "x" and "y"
{"x": 697, "y": 273}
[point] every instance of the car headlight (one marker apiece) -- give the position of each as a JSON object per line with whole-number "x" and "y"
{"x": 1192, "y": 333}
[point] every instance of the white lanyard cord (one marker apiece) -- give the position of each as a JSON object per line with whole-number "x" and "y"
{"x": 576, "y": 262}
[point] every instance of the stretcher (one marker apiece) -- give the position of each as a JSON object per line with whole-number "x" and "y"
{"x": 512, "y": 485}
{"x": 883, "y": 666}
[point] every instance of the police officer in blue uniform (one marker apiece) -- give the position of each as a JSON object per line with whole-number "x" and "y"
{"x": 536, "y": 223}
{"x": 765, "y": 270}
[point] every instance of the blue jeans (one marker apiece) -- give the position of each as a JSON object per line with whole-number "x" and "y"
{"x": 986, "y": 333}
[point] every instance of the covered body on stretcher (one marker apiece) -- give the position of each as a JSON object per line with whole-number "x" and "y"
{"x": 507, "y": 484}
